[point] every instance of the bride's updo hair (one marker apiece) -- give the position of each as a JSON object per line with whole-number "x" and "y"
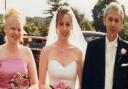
{"x": 12, "y": 14}
{"x": 61, "y": 11}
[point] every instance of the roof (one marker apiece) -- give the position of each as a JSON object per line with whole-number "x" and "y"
{"x": 93, "y": 33}
{"x": 35, "y": 37}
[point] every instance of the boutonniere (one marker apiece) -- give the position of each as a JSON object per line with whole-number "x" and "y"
{"x": 123, "y": 51}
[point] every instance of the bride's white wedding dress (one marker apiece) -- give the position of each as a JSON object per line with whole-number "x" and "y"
{"x": 57, "y": 72}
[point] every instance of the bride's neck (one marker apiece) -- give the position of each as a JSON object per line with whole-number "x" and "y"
{"x": 62, "y": 43}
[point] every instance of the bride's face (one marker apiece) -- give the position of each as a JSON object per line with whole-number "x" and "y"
{"x": 64, "y": 26}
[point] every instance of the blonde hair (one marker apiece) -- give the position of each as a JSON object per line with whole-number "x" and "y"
{"x": 11, "y": 14}
{"x": 114, "y": 6}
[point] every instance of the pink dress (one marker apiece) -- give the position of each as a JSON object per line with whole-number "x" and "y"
{"x": 8, "y": 67}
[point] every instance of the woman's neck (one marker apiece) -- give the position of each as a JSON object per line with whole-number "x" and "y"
{"x": 12, "y": 47}
{"x": 63, "y": 43}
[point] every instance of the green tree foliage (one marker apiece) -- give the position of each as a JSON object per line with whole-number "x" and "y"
{"x": 1, "y": 22}
{"x": 36, "y": 26}
{"x": 1, "y": 30}
{"x": 124, "y": 33}
{"x": 83, "y": 22}
{"x": 54, "y": 4}
{"x": 98, "y": 14}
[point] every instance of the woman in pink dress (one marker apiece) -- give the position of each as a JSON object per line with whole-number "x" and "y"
{"x": 13, "y": 56}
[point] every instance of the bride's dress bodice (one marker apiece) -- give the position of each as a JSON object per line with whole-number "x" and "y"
{"x": 58, "y": 72}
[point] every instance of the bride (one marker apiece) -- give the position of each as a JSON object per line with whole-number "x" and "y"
{"x": 62, "y": 57}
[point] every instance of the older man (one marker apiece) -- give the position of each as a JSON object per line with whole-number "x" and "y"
{"x": 106, "y": 62}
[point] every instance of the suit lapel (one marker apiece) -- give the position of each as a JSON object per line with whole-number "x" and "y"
{"x": 116, "y": 66}
{"x": 118, "y": 51}
{"x": 102, "y": 60}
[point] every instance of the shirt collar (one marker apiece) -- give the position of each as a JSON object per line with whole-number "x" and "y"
{"x": 114, "y": 43}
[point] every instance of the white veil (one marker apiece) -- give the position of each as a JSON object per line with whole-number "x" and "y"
{"x": 76, "y": 38}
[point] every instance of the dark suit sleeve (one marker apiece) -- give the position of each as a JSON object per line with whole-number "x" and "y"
{"x": 127, "y": 70}
{"x": 123, "y": 74}
{"x": 87, "y": 69}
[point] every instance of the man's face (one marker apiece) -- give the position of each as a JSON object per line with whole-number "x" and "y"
{"x": 113, "y": 22}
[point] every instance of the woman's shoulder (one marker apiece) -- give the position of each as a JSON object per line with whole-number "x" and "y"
{"x": 48, "y": 48}
{"x": 2, "y": 46}
{"x": 24, "y": 48}
{"x": 26, "y": 53}
{"x": 76, "y": 49}
{"x": 2, "y": 49}
{"x": 77, "y": 52}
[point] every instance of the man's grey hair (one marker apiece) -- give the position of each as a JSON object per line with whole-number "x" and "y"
{"x": 114, "y": 6}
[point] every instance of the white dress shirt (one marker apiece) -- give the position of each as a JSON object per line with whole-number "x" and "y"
{"x": 110, "y": 54}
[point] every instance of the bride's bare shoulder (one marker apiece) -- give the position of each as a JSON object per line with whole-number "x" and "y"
{"x": 75, "y": 49}
{"x": 48, "y": 48}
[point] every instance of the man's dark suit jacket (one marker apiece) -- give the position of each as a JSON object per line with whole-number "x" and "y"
{"x": 94, "y": 66}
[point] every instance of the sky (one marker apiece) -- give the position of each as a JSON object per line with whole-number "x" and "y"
{"x": 37, "y": 7}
